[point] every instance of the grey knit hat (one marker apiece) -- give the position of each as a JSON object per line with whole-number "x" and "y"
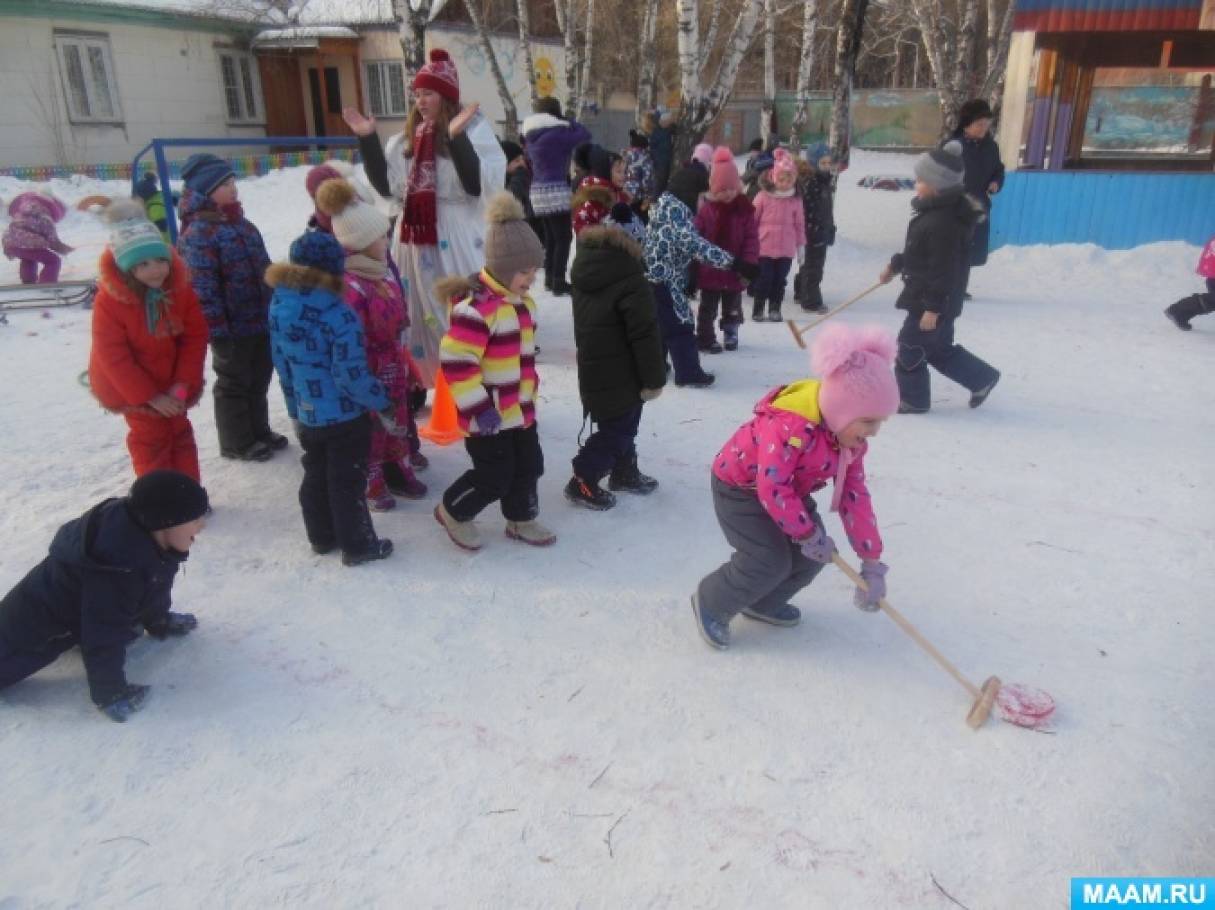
{"x": 511, "y": 246}
{"x": 941, "y": 168}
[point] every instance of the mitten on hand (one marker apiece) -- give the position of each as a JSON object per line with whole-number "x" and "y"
{"x": 173, "y": 624}
{"x": 874, "y": 573}
{"x": 650, "y": 394}
{"x": 489, "y": 422}
{"x": 121, "y": 706}
{"x": 818, "y": 546}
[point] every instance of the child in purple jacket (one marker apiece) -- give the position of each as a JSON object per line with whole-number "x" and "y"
{"x": 726, "y": 219}
{"x": 31, "y": 237}
{"x": 802, "y": 436}
{"x": 550, "y": 142}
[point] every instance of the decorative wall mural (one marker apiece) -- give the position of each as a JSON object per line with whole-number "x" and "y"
{"x": 546, "y": 77}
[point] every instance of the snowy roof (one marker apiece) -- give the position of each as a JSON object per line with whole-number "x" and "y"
{"x": 273, "y": 12}
{"x": 300, "y": 36}
{"x": 235, "y": 10}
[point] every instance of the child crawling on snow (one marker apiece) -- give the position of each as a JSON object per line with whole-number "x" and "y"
{"x": 107, "y": 579}
{"x": 802, "y": 436}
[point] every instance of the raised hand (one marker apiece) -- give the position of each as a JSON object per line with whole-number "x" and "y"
{"x": 359, "y": 125}
{"x": 460, "y": 122}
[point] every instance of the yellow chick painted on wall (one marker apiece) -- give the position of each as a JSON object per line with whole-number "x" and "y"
{"x": 546, "y": 77}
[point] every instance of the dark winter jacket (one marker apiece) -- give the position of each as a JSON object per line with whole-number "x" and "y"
{"x": 519, "y": 182}
{"x": 731, "y": 226}
{"x": 550, "y": 143}
{"x": 317, "y": 344}
{"x": 981, "y": 158}
{"x": 104, "y": 578}
{"x": 227, "y": 260}
{"x": 662, "y": 153}
{"x": 934, "y": 254}
{"x": 818, "y": 204}
{"x": 615, "y": 323}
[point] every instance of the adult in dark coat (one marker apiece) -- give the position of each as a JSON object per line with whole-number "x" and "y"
{"x": 932, "y": 264}
{"x": 620, "y": 362}
{"x": 108, "y": 577}
{"x": 662, "y": 151}
{"x": 984, "y": 174}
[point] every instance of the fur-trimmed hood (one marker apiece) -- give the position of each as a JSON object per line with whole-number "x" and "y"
{"x": 303, "y": 278}
{"x": 603, "y": 236}
{"x": 35, "y": 203}
{"x": 457, "y": 287}
{"x": 534, "y": 122}
{"x": 122, "y": 287}
{"x": 593, "y": 192}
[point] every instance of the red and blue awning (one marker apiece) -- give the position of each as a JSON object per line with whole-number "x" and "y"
{"x": 1106, "y": 15}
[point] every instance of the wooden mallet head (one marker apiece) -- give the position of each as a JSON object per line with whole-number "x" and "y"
{"x": 981, "y": 709}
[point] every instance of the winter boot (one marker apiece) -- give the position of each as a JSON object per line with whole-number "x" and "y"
{"x": 419, "y": 462}
{"x": 980, "y": 396}
{"x": 255, "y": 451}
{"x": 627, "y": 478}
{"x": 276, "y": 442}
{"x": 784, "y": 615}
{"x": 774, "y": 311}
{"x": 380, "y": 549}
{"x": 905, "y": 408}
{"x": 713, "y": 630}
{"x": 463, "y": 534}
{"x": 589, "y": 495}
{"x": 703, "y": 381}
{"x": 530, "y": 532}
{"x": 378, "y": 497}
{"x": 400, "y": 480}
{"x": 757, "y": 310}
{"x": 711, "y": 346}
{"x": 731, "y": 338}
{"x": 1186, "y": 309}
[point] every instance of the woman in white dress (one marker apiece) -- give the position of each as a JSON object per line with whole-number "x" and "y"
{"x": 438, "y": 173}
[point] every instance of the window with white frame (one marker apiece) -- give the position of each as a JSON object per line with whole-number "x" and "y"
{"x": 87, "y": 70}
{"x": 386, "y": 88}
{"x": 242, "y": 92}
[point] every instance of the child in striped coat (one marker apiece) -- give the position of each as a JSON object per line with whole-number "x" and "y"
{"x": 488, "y": 359}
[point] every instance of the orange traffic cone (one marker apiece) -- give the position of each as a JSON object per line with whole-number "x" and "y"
{"x": 443, "y": 428}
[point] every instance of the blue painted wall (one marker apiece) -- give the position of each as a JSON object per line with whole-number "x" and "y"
{"x": 1116, "y": 211}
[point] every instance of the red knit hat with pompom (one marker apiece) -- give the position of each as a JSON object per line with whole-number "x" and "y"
{"x": 439, "y": 75}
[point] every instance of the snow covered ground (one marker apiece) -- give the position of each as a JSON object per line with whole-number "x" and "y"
{"x": 523, "y": 728}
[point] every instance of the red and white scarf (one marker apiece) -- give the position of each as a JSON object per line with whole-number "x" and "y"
{"x": 418, "y": 221}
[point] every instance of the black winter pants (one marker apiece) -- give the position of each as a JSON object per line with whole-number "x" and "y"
{"x": 678, "y": 337}
{"x": 243, "y": 369}
{"x": 807, "y": 286}
{"x": 731, "y": 313}
{"x": 614, "y": 441}
{"x": 332, "y": 494}
{"x": 506, "y": 467}
{"x": 919, "y": 350}
{"x": 16, "y": 664}
{"x": 557, "y": 234}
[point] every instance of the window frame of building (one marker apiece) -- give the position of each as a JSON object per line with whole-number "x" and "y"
{"x": 247, "y": 87}
{"x": 379, "y": 72}
{"x": 92, "y": 48}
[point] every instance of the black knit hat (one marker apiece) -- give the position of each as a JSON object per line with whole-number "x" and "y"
{"x": 638, "y": 139}
{"x": 165, "y": 499}
{"x": 687, "y": 183}
{"x": 977, "y": 109}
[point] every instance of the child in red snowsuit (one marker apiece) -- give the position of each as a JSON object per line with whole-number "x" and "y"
{"x": 149, "y": 342}
{"x": 1187, "y": 308}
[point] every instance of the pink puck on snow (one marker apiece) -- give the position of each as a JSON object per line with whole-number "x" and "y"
{"x": 1025, "y": 706}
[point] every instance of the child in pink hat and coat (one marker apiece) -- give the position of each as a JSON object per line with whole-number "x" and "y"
{"x": 802, "y": 436}
{"x": 782, "y": 234}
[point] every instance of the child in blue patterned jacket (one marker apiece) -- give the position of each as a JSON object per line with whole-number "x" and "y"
{"x": 318, "y": 350}
{"x": 671, "y": 245}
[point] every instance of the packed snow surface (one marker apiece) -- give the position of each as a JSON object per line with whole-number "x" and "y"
{"x": 544, "y": 728}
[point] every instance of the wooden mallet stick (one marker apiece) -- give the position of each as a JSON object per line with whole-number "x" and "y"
{"x": 800, "y": 331}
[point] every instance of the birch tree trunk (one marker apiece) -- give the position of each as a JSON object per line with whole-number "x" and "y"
{"x": 847, "y": 46}
{"x": 588, "y": 47}
{"x": 999, "y": 37}
{"x": 767, "y": 115}
{"x": 805, "y": 71}
{"x": 510, "y": 114}
{"x": 524, "y": 19}
{"x": 699, "y": 106}
{"x": 567, "y": 21}
{"x": 647, "y": 77}
{"x": 411, "y": 30}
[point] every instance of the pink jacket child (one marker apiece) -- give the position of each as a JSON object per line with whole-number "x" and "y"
{"x": 782, "y": 234}
{"x": 374, "y": 294}
{"x": 1187, "y": 308}
{"x": 802, "y": 437}
{"x": 31, "y": 237}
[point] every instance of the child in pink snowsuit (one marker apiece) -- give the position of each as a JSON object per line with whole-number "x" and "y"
{"x": 782, "y": 234}
{"x": 31, "y": 237}
{"x": 1187, "y": 308}
{"x": 375, "y": 296}
{"x": 802, "y": 436}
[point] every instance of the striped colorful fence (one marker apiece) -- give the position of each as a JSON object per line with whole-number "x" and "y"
{"x": 243, "y": 165}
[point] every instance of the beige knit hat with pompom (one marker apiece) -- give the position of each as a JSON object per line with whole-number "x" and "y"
{"x": 511, "y": 246}
{"x": 356, "y": 225}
